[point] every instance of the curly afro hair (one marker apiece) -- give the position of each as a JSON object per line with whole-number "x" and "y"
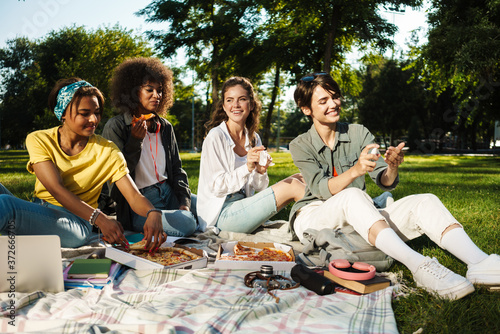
{"x": 129, "y": 76}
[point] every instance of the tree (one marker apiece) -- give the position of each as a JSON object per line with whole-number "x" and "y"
{"x": 461, "y": 62}
{"x": 212, "y": 32}
{"x": 30, "y": 69}
{"x": 250, "y": 38}
{"x": 389, "y": 99}
{"x": 300, "y": 37}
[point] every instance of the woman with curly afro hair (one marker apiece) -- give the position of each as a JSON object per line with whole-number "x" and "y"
{"x": 142, "y": 90}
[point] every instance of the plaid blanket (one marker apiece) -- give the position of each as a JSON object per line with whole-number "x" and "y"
{"x": 196, "y": 301}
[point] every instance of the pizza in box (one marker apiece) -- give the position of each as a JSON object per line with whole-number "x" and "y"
{"x": 243, "y": 253}
{"x": 165, "y": 256}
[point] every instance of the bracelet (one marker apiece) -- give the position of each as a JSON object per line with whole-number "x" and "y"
{"x": 93, "y": 217}
{"x": 153, "y": 210}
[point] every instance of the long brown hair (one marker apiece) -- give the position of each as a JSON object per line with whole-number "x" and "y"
{"x": 253, "y": 119}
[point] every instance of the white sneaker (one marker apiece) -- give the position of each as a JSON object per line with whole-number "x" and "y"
{"x": 486, "y": 272}
{"x": 435, "y": 278}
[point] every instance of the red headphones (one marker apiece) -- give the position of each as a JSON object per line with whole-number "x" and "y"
{"x": 368, "y": 271}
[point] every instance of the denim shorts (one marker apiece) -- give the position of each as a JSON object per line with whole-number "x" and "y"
{"x": 245, "y": 214}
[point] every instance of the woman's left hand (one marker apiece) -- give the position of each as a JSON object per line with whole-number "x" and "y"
{"x": 153, "y": 231}
{"x": 262, "y": 169}
{"x": 394, "y": 156}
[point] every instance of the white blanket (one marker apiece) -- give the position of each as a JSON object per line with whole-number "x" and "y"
{"x": 196, "y": 301}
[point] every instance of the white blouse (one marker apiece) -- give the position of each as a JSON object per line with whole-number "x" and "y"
{"x": 220, "y": 177}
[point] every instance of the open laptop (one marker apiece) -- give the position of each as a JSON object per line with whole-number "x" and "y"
{"x": 30, "y": 263}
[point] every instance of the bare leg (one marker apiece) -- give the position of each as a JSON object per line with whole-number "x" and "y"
{"x": 449, "y": 228}
{"x": 290, "y": 189}
{"x": 375, "y": 230}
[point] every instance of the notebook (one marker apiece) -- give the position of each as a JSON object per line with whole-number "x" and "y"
{"x": 30, "y": 263}
{"x": 90, "y": 268}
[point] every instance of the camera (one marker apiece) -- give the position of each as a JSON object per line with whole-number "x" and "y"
{"x": 266, "y": 279}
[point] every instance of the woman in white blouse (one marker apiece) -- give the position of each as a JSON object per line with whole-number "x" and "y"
{"x": 230, "y": 172}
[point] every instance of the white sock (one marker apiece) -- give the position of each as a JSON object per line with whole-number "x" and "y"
{"x": 391, "y": 244}
{"x": 458, "y": 243}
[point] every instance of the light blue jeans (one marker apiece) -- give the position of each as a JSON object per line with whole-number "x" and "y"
{"x": 177, "y": 223}
{"x": 245, "y": 214}
{"x": 28, "y": 218}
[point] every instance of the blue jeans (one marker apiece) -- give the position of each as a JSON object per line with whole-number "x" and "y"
{"x": 245, "y": 214}
{"x": 177, "y": 223}
{"x": 28, "y": 218}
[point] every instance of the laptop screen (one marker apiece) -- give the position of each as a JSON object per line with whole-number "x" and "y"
{"x": 30, "y": 263}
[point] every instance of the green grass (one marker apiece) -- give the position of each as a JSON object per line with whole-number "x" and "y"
{"x": 468, "y": 186}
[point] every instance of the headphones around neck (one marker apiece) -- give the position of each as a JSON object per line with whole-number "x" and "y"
{"x": 358, "y": 271}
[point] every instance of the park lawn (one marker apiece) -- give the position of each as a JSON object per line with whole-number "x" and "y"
{"x": 468, "y": 186}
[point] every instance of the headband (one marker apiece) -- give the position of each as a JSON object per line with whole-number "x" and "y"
{"x": 65, "y": 96}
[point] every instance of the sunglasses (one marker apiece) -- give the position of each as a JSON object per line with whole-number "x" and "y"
{"x": 309, "y": 78}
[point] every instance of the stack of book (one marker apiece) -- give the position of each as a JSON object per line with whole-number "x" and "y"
{"x": 362, "y": 287}
{"x": 90, "y": 273}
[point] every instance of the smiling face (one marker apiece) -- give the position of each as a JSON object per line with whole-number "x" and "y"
{"x": 237, "y": 104}
{"x": 82, "y": 118}
{"x": 325, "y": 106}
{"x": 149, "y": 98}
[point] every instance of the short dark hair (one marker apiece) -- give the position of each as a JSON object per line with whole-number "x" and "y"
{"x": 132, "y": 74}
{"x": 304, "y": 90}
{"x": 81, "y": 92}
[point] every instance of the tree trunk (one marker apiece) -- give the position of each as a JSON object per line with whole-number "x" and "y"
{"x": 332, "y": 29}
{"x": 214, "y": 76}
{"x": 267, "y": 126}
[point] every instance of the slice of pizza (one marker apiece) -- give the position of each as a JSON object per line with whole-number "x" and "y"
{"x": 138, "y": 245}
{"x": 145, "y": 117}
{"x": 242, "y": 250}
{"x": 167, "y": 256}
{"x": 274, "y": 254}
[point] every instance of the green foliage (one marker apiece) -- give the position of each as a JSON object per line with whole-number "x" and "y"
{"x": 252, "y": 38}
{"x": 213, "y": 33}
{"x": 389, "y": 99}
{"x": 461, "y": 60}
{"x": 30, "y": 69}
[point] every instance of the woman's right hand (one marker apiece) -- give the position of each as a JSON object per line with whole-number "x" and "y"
{"x": 112, "y": 230}
{"x": 253, "y": 157}
{"x": 139, "y": 129}
{"x": 366, "y": 162}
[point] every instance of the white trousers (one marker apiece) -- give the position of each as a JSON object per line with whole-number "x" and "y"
{"x": 410, "y": 217}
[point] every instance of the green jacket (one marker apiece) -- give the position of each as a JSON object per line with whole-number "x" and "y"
{"x": 316, "y": 161}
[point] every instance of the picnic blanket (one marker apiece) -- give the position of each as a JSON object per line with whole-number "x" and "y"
{"x": 205, "y": 300}
{"x": 197, "y": 301}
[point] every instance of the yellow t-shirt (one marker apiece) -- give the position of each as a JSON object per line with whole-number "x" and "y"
{"x": 83, "y": 174}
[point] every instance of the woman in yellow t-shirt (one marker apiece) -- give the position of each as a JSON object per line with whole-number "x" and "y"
{"x": 71, "y": 164}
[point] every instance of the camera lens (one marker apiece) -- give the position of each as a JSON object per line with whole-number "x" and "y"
{"x": 266, "y": 270}
{"x": 259, "y": 284}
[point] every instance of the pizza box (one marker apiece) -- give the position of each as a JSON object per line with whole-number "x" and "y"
{"x": 139, "y": 263}
{"x": 253, "y": 265}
